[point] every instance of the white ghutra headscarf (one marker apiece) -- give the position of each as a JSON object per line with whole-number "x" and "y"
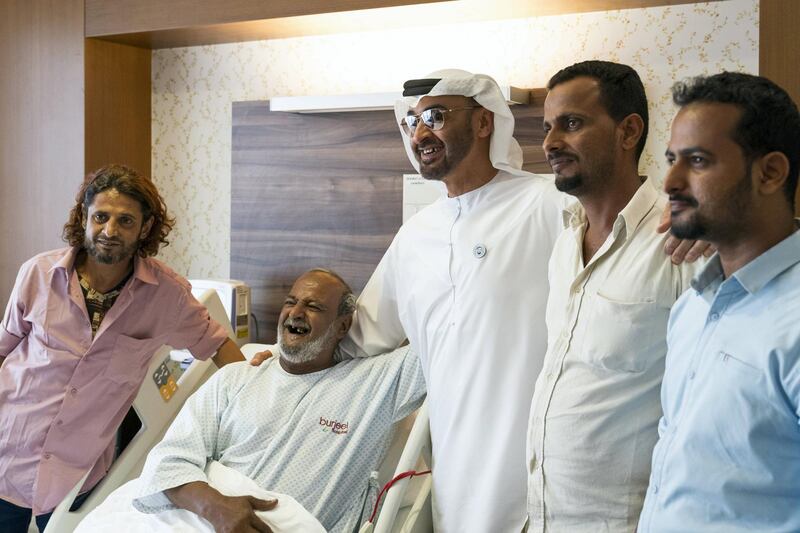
{"x": 504, "y": 151}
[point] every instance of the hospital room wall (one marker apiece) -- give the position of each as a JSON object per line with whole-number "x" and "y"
{"x": 193, "y": 87}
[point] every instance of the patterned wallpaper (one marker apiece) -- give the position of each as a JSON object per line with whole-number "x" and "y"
{"x": 193, "y": 88}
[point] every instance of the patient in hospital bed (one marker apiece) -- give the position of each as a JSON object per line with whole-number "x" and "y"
{"x": 300, "y": 429}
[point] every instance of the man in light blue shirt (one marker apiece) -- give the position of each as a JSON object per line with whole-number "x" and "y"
{"x": 728, "y": 458}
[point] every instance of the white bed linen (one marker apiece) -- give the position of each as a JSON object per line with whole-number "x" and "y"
{"x": 117, "y": 513}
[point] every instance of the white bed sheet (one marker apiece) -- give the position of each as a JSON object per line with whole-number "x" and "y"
{"x": 117, "y": 513}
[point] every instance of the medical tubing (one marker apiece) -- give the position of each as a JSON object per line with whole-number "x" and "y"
{"x": 255, "y": 323}
{"x": 395, "y": 479}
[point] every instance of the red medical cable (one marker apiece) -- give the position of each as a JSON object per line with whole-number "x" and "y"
{"x": 398, "y": 477}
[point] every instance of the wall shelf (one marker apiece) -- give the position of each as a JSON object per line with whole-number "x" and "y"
{"x": 366, "y": 101}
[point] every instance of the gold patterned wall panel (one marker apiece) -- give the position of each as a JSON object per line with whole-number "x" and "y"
{"x": 193, "y": 88}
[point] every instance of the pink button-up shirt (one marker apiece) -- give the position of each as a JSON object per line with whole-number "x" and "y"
{"x": 62, "y": 394}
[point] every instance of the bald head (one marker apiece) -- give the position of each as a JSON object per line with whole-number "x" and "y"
{"x": 347, "y": 303}
{"x": 315, "y": 316}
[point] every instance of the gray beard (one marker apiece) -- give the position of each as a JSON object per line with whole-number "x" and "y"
{"x": 307, "y": 351}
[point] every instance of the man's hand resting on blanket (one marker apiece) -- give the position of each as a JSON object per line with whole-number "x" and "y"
{"x": 228, "y": 514}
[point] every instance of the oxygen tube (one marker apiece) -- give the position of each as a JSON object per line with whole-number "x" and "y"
{"x": 367, "y": 527}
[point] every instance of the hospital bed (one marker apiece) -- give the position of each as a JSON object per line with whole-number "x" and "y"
{"x": 406, "y": 506}
{"x": 168, "y": 384}
{"x": 407, "y": 503}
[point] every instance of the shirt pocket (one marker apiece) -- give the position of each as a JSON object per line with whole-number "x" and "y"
{"x": 40, "y": 321}
{"x": 129, "y": 359}
{"x": 738, "y": 363}
{"x": 744, "y": 395}
{"x": 625, "y": 336}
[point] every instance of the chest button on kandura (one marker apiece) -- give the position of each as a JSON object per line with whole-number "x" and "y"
{"x": 479, "y": 251}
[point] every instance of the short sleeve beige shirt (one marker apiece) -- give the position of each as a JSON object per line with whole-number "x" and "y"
{"x": 596, "y": 405}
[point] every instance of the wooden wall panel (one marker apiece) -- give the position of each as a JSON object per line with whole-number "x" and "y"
{"x": 325, "y": 190}
{"x": 41, "y": 126}
{"x": 779, "y": 44}
{"x": 779, "y": 48}
{"x": 109, "y": 17}
{"x": 117, "y": 105}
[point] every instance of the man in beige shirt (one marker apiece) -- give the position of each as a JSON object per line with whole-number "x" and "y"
{"x": 595, "y": 410}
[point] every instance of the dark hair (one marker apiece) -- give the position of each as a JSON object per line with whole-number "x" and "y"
{"x": 621, "y": 90}
{"x": 126, "y": 181}
{"x": 347, "y": 303}
{"x": 770, "y": 121}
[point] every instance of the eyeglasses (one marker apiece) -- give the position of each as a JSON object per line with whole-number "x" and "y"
{"x": 433, "y": 118}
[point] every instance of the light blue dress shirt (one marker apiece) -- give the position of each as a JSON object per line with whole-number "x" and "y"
{"x": 728, "y": 457}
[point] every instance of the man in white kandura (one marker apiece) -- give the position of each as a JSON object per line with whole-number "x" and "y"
{"x": 465, "y": 280}
{"x": 300, "y": 424}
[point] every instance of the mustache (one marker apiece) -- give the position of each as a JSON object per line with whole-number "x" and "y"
{"x": 555, "y": 155}
{"x": 683, "y": 198}
{"x": 296, "y": 322}
{"x": 116, "y": 240}
{"x": 426, "y": 142}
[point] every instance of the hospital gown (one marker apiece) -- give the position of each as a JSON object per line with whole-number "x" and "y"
{"x": 314, "y": 436}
